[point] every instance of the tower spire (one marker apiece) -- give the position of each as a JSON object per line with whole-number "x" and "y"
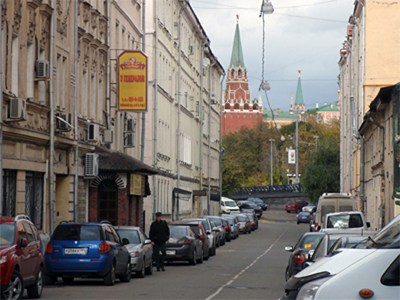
{"x": 237, "y": 52}
{"x": 298, "y": 100}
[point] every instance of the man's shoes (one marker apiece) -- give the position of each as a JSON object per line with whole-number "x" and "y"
{"x": 158, "y": 269}
{"x": 162, "y": 269}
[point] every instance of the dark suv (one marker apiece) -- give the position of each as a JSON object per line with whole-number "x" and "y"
{"x": 21, "y": 260}
{"x": 87, "y": 250}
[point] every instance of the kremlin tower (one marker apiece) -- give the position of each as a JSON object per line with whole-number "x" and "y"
{"x": 238, "y": 109}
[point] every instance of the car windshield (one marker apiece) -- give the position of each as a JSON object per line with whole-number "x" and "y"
{"x": 388, "y": 235}
{"x": 344, "y": 221}
{"x": 310, "y": 241}
{"x": 178, "y": 231}
{"x": 131, "y": 235}
{"x": 242, "y": 219}
{"x": 76, "y": 232}
{"x": 7, "y": 233}
{"x": 229, "y": 203}
{"x": 304, "y": 213}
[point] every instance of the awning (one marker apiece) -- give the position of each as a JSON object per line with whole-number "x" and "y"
{"x": 120, "y": 162}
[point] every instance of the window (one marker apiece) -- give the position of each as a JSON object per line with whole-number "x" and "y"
{"x": 9, "y": 192}
{"x": 34, "y": 197}
{"x": 14, "y": 66}
{"x": 74, "y": 232}
{"x": 131, "y": 235}
{"x": 392, "y": 275}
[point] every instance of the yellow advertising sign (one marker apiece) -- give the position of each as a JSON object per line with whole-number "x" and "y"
{"x": 132, "y": 81}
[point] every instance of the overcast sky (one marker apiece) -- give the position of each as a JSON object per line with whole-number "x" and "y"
{"x": 301, "y": 35}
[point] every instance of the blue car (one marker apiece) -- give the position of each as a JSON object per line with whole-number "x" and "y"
{"x": 304, "y": 217}
{"x": 92, "y": 250}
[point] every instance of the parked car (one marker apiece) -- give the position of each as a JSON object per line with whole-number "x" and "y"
{"x": 140, "y": 249}
{"x": 87, "y": 250}
{"x": 221, "y": 234}
{"x": 306, "y": 244}
{"x": 259, "y": 202}
{"x": 253, "y": 220}
{"x": 304, "y": 217}
{"x": 248, "y": 206}
{"x": 21, "y": 259}
{"x": 295, "y": 205}
{"x": 184, "y": 245}
{"x": 198, "y": 229}
{"x": 244, "y": 223}
{"x": 311, "y": 208}
{"x": 228, "y": 205}
{"x": 346, "y": 220}
{"x": 228, "y": 235}
{"x": 211, "y": 235}
{"x": 234, "y": 225}
{"x": 354, "y": 273}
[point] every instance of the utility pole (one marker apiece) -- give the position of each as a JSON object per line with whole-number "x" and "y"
{"x": 271, "y": 181}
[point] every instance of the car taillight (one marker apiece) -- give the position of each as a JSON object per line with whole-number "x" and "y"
{"x": 104, "y": 247}
{"x": 185, "y": 241}
{"x": 299, "y": 259}
{"x": 228, "y": 228}
{"x": 49, "y": 248}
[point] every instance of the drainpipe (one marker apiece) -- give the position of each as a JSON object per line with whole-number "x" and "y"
{"x": 201, "y": 115}
{"x": 155, "y": 106}
{"x": 1, "y": 114}
{"x": 108, "y": 76}
{"x": 52, "y": 125}
{"x": 76, "y": 133}
{"x": 362, "y": 174}
{"x": 209, "y": 136}
{"x": 221, "y": 153}
{"x": 143, "y": 49}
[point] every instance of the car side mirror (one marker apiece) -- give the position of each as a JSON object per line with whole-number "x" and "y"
{"x": 289, "y": 248}
{"x": 147, "y": 242}
{"x": 208, "y": 232}
{"x": 318, "y": 227}
{"x": 368, "y": 224}
{"x": 125, "y": 241}
{"x": 23, "y": 243}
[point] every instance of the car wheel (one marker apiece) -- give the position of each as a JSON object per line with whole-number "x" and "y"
{"x": 142, "y": 272}
{"x": 126, "y": 277}
{"x": 214, "y": 251}
{"x": 201, "y": 259}
{"x": 67, "y": 279}
{"x": 35, "y": 291}
{"x": 193, "y": 260}
{"x": 288, "y": 211}
{"x": 109, "y": 279}
{"x": 298, "y": 222}
{"x": 149, "y": 269}
{"x": 16, "y": 287}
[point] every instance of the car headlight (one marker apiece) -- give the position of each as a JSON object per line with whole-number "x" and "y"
{"x": 135, "y": 254}
{"x": 310, "y": 289}
{"x": 3, "y": 259}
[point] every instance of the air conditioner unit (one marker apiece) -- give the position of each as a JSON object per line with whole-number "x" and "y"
{"x": 91, "y": 165}
{"x": 42, "y": 69}
{"x": 93, "y": 133}
{"x": 16, "y": 109}
{"x": 108, "y": 136}
{"x": 129, "y": 140}
{"x": 63, "y": 121}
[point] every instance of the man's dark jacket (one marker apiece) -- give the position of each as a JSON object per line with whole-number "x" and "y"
{"x": 159, "y": 232}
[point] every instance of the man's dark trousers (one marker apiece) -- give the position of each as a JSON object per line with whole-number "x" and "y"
{"x": 159, "y": 258}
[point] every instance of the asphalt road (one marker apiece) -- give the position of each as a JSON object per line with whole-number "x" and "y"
{"x": 251, "y": 267}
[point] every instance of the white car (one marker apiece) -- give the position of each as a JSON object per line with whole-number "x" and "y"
{"x": 373, "y": 271}
{"x": 228, "y": 206}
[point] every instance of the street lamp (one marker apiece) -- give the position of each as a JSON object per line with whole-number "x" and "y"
{"x": 266, "y": 8}
{"x": 297, "y": 112}
{"x": 271, "y": 182}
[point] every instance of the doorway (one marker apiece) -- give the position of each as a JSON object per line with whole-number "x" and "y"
{"x": 108, "y": 201}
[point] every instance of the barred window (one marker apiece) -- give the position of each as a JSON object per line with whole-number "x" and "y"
{"x": 9, "y": 192}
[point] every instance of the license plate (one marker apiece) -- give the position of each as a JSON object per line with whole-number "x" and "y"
{"x": 170, "y": 252}
{"x": 79, "y": 251}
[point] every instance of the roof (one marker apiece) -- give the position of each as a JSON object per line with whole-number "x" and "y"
{"x": 279, "y": 114}
{"x": 117, "y": 161}
{"x": 299, "y": 93}
{"x": 237, "y": 51}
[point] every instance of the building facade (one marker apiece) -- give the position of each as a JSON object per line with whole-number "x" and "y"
{"x": 367, "y": 64}
{"x": 239, "y": 110}
{"x": 183, "y": 125}
{"x": 57, "y": 113}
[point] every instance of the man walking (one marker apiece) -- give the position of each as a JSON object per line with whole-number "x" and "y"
{"x": 159, "y": 235}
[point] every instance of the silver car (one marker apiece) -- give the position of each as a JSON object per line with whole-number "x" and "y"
{"x": 140, "y": 249}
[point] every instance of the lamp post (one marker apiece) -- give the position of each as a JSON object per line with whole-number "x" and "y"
{"x": 271, "y": 182}
{"x": 297, "y": 181}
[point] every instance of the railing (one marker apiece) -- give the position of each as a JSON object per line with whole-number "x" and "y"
{"x": 269, "y": 189}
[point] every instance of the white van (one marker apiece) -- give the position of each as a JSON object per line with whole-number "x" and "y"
{"x": 330, "y": 203}
{"x": 228, "y": 205}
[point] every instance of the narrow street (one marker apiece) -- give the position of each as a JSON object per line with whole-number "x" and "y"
{"x": 251, "y": 267}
